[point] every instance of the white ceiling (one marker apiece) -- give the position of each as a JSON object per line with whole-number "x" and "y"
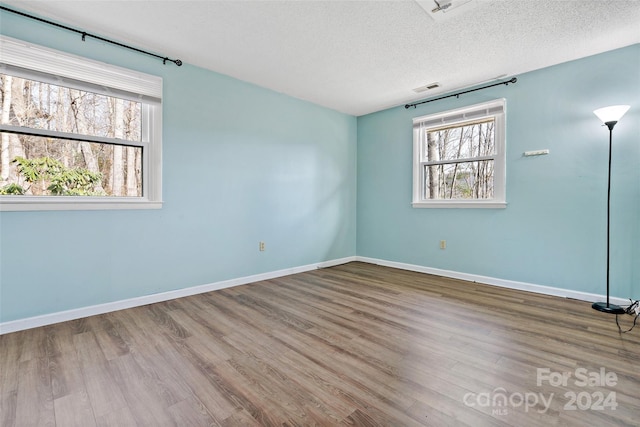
{"x": 357, "y": 56}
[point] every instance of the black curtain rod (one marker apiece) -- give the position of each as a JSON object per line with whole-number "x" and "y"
{"x": 85, "y": 35}
{"x": 513, "y": 80}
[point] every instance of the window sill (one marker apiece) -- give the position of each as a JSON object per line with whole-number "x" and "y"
{"x": 457, "y": 204}
{"x": 74, "y": 203}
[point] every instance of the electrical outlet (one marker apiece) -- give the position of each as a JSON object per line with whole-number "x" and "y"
{"x": 443, "y": 244}
{"x": 261, "y": 246}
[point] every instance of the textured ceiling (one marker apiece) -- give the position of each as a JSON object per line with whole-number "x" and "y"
{"x": 357, "y": 56}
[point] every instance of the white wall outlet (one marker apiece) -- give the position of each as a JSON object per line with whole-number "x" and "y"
{"x": 443, "y": 244}
{"x": 261, "y": 246}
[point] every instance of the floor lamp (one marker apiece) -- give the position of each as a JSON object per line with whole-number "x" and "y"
{"x": 609, "y": 116}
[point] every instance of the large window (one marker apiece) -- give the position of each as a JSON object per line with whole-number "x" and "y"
{"x": 76, "y": 133}
{"x": 459, "y": 157}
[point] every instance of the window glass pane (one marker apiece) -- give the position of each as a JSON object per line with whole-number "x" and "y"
{"x": 40, "y": 105}
{"x": 41, "y": 166}
{"x": 460, "y": 142}
{"x": 466, "y": 180}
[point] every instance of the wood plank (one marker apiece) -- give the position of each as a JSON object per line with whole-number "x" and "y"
{"x": 123, "y": 417}
{"x": 192, "y": 412}
{"x": 74, "y": 410}
{"x": 104, "y": 392}
{"x": 139, "y": 393}
{"x": 34, "y": 406}
{"x": 10, "y": 345}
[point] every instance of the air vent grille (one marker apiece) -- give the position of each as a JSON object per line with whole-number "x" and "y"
{"x": 425, "y": 88}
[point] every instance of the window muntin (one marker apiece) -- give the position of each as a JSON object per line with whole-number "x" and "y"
{"x": 459, "y": 157}
{"x": 75, "y": 127}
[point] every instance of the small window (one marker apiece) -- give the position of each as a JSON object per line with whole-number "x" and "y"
{"x": 459, "y": 157}
{"x": 76, "y": 133}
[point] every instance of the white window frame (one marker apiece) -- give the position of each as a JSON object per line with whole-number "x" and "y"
{"x": 31, "y": 61}
{"x": 495, "y": 109}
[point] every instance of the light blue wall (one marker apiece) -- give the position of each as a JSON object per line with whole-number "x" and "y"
{"x": 241, "y": 165}
{"x": 553, "y": 231}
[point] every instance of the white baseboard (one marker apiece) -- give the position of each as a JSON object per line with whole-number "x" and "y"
{"x": 511, "y": 284}
{"x": 63, "y": 316}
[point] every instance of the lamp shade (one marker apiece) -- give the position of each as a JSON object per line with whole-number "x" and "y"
{"x": 612, "y": 113}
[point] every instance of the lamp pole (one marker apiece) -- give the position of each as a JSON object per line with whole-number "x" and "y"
{"x": 610, "y": 125}
{"x": 610, "y": 116}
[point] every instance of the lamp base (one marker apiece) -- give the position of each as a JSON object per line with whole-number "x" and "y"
{"x": 608, "y": 308}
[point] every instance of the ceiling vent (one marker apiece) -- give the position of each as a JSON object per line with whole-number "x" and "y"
{"x": 441, "y": 10}
{"x": 426, "y": 87}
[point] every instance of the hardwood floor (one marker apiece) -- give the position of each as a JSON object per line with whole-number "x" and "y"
{"x": 355, "y": 345}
